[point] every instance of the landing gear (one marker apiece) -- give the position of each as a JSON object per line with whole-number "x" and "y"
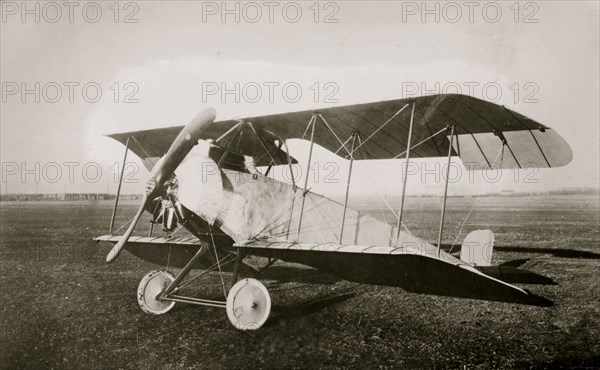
{"x": 153, "y": 284}
{"x": 248, "y": 304}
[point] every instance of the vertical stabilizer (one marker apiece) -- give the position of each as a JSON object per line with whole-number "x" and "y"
{"x": 477, "y": 248}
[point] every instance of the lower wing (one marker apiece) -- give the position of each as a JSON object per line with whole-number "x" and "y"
{"x": 417, "y": 268}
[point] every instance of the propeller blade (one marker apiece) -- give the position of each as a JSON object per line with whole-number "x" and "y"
{"x": 164, "y": 169}
{"x": 114, "y": 252}
{"x": 184, "y": 142}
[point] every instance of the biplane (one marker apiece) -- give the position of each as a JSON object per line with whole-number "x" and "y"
{"x": 212, "y": 178}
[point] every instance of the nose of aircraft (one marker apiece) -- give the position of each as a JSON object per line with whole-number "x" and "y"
{"x": 164, "y": 169}
{"x": 200, "y": 185}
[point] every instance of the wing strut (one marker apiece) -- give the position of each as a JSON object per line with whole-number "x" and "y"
{"x": 312, "y": 122}
{"x": 287, "y": 152}
{"x": 114, "y": 212}
{"x": 405, "y": 177}
{"x": 354, "y": 136}
{"x": 445, "y": 192}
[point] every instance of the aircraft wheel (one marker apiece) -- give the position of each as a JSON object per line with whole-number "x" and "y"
{"x": 248, "y": 304}
{"x": 151, "y": 285}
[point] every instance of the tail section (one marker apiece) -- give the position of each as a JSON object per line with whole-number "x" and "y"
{"x": 477, "y": 248}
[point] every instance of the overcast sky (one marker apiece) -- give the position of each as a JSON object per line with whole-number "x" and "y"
{"x": 159, "y": 63}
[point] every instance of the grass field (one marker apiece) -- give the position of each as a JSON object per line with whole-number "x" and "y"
{"x": 63, "y": 307}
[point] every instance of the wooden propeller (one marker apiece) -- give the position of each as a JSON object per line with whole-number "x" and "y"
{"x": 164, "y": 169}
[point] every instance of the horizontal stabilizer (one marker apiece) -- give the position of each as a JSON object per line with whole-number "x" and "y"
{"x": 515, "y": 275}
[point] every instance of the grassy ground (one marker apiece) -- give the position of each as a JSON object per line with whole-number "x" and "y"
{"x": 63, "y": 307}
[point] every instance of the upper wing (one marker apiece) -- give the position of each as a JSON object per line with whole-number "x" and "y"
{"x": 250, "y": 140}
{"x": 486, "y": 133}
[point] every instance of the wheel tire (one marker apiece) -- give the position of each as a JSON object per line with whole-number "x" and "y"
{"x": 150, "y": 286}
{"x": 248, "y": 304}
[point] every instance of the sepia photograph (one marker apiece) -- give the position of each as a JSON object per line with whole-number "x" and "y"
{"x": 300, "y": 184}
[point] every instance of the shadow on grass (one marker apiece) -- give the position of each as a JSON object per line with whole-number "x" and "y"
{"x": 280, "y": 314}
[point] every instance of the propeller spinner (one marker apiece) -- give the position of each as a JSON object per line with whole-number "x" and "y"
{"x": 164, "y": 169}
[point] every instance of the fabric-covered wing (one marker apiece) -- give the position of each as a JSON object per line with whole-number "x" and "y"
{"x": 485, "y": 131}
{"x": 414, "y": 267}
{"x": 481, "y": 128}
{"x": 249, "y": 140}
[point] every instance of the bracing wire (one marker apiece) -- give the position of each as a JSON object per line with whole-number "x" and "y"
{"x": 501, "y": 154}
{"x": 218, "y": 262}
